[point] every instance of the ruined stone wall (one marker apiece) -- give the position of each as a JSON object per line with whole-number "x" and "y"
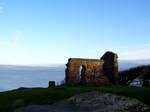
{"x": 96, "y": 71}
{"x": 93, "y": 71}
{"x": 110, "y": 66}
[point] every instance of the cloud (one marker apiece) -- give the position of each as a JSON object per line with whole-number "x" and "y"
{"x": 13, "y": 41}
{"x": 16, "y": 39}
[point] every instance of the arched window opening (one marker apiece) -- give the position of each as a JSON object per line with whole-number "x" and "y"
{"x": 82, "y": 74}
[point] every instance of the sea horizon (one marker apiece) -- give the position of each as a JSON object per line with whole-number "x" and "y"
{"x": 16, "y": 76}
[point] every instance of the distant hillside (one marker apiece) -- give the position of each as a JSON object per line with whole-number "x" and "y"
{"x": 127, "y": 64}
{"x": 129, "y": 75}
{"x": 18, "y": 67}
{"x": 123, "y": 65}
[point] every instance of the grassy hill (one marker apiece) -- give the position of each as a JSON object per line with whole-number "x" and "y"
{"x": 52, "y": 95}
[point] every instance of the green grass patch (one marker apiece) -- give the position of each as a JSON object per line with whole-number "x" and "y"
{"x": 52, "y": 95}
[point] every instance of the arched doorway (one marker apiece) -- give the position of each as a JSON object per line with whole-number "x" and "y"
{"x": 82, "y": 74}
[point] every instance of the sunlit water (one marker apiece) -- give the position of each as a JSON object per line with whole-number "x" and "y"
{"x": 13, "y": 79}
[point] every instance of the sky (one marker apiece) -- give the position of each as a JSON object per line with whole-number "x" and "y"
{"x": 39, "y": 32}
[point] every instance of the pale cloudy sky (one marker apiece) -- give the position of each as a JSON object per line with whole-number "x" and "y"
{"x": 51, "y": 31}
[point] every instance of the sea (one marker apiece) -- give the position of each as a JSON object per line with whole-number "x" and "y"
{"x": 14, "y": 79}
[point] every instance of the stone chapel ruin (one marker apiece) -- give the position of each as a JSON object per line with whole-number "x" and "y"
{"x": 101, "y": 71}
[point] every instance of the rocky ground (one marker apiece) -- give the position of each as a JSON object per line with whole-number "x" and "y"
{"x": 91, "y": 102}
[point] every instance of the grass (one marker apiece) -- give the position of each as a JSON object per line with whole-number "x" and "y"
{"x": 52, "y": 95}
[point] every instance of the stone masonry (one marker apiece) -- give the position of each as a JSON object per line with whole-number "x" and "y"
{"x": 101, "y": 71}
